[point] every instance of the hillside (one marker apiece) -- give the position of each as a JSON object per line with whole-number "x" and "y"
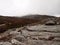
{"x": 30, "y": 30}
{"x": 12, "y": 22}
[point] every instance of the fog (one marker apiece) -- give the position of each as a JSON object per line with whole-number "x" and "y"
{"x": 23, "y": 7}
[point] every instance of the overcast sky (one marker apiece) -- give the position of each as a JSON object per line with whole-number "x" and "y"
{"x": 22, "y": 7}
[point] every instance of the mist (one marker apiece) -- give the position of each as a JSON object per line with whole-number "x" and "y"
{"x": 24, "y": 7}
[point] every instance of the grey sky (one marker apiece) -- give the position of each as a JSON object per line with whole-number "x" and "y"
{"x": 22, "y": 7}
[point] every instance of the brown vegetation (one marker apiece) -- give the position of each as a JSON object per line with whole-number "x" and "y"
{"x": 12, "y": 22}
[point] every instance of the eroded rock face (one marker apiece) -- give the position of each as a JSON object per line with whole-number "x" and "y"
{"x": 32, "y": 35}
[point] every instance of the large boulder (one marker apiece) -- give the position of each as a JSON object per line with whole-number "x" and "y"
{"x": 50, "y": 22}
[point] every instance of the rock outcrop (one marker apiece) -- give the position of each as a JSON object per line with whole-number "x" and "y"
{"x": 35, "y": 30}
{"x": 32, "y": 35}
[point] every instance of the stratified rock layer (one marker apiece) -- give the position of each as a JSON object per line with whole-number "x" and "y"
{"x": 30, "y": 30}
{"x": 32, "y": 35}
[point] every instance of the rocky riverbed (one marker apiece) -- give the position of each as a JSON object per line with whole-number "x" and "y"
{"x": 32, "y": 35}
